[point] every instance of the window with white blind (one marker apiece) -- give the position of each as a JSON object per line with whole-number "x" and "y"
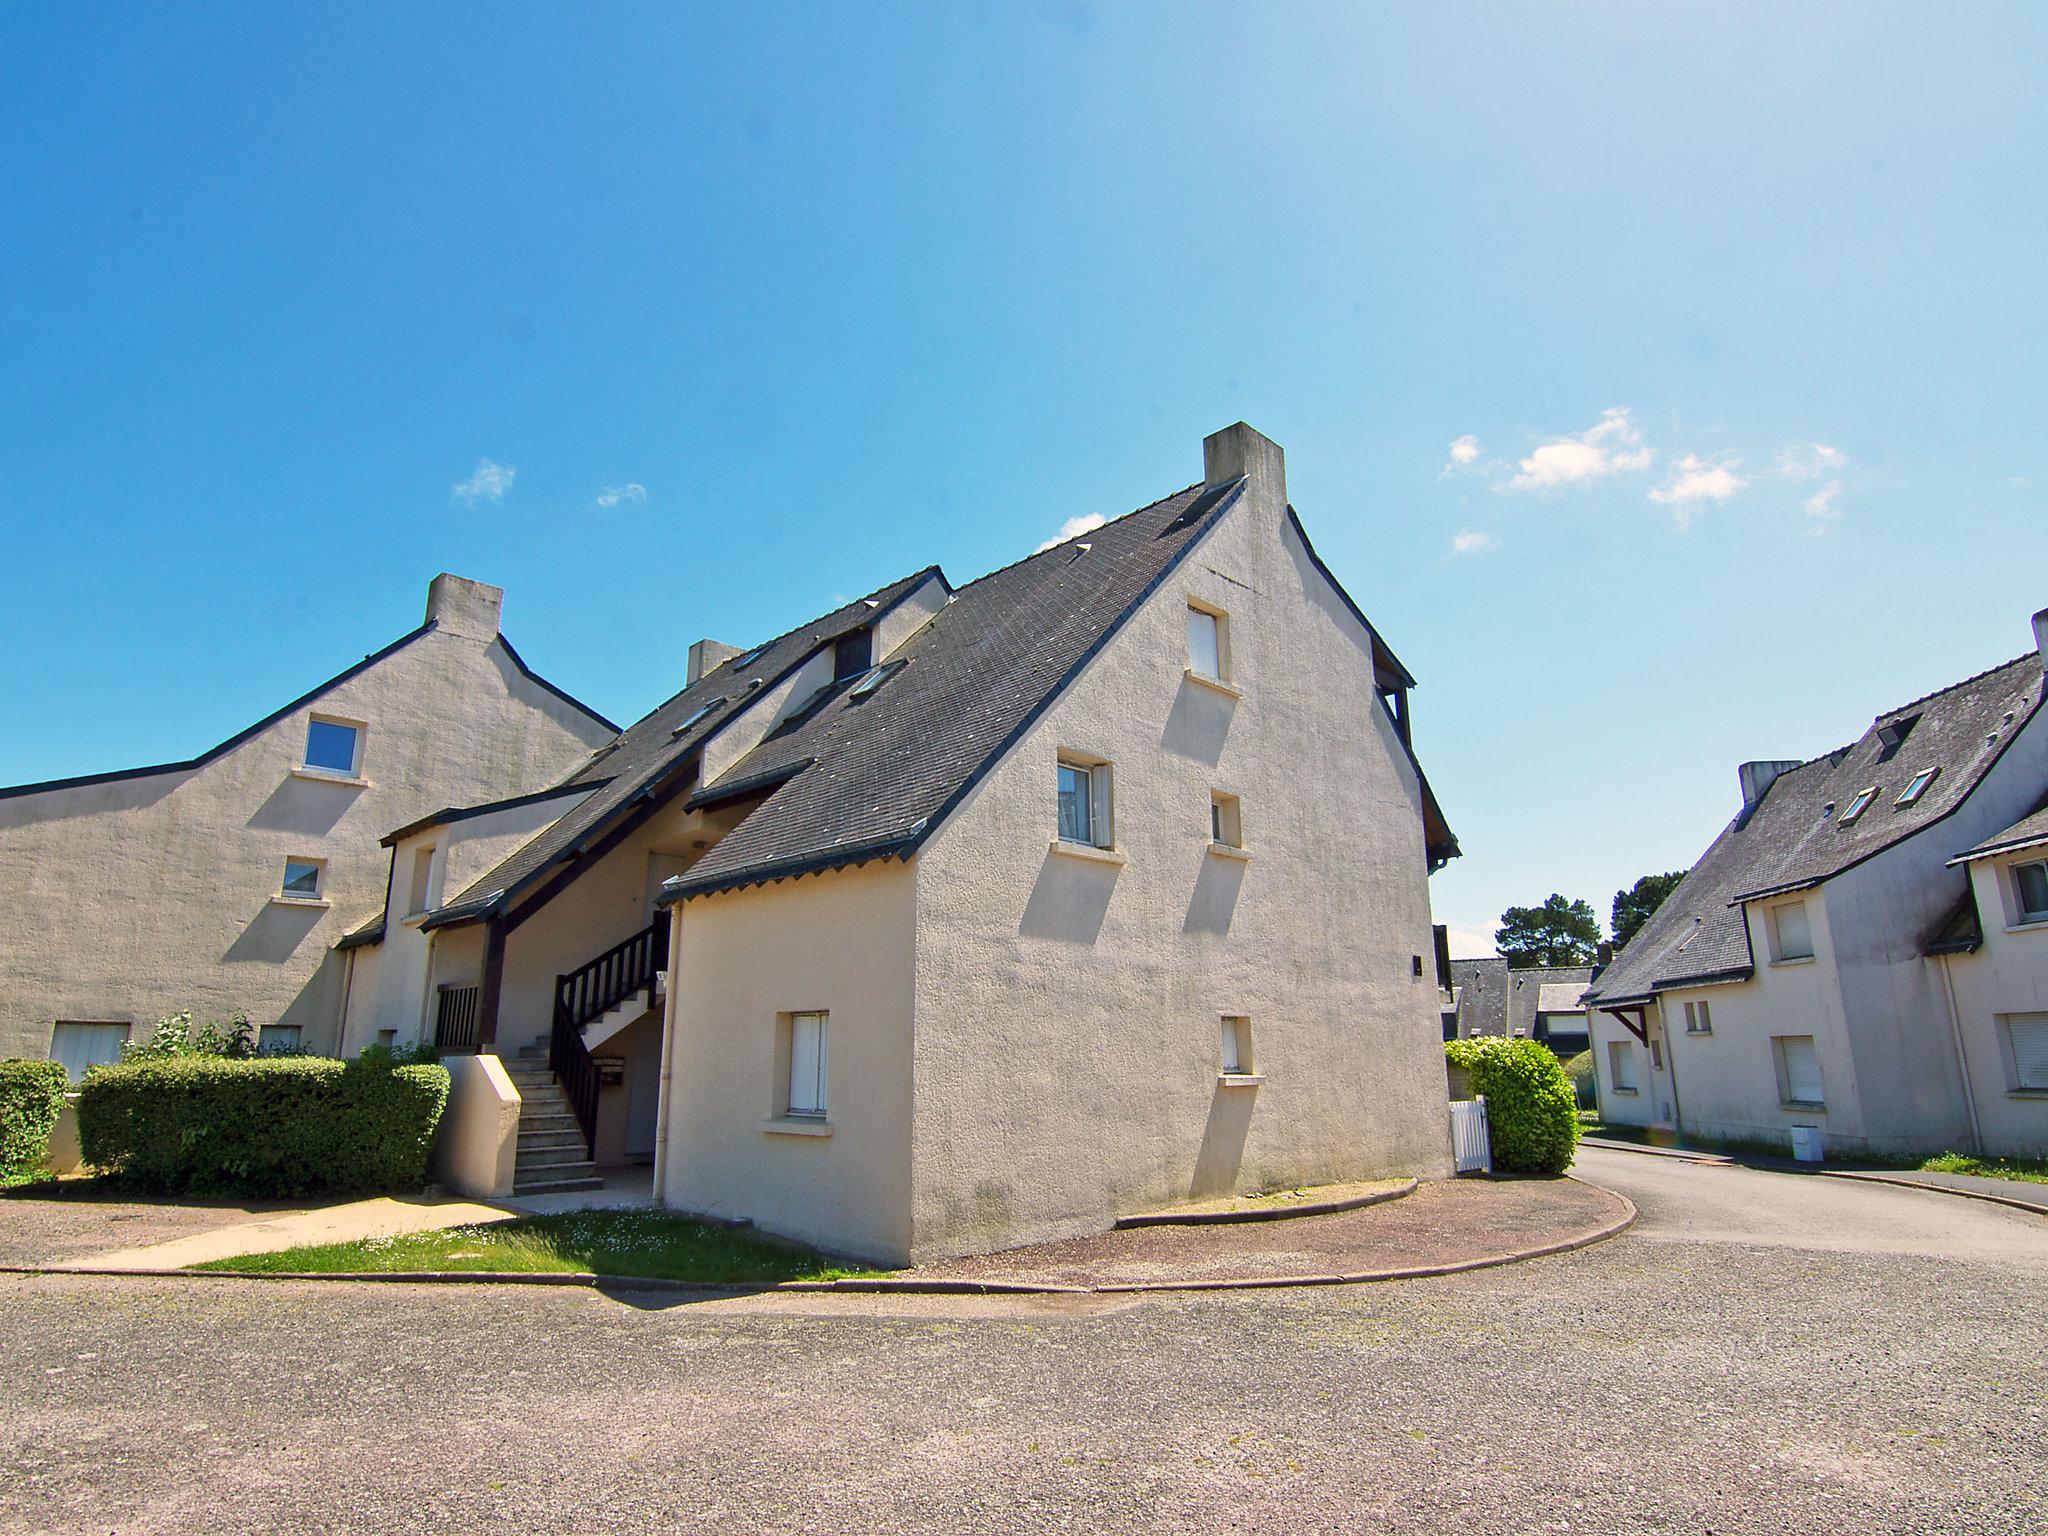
{"x": 2026, "y": 1040}
{"x": 1084, "y": 803}
{"x": 1791, "y": 932}
{"x": 1621, "y": 1066}
{"x": 2030, "y": 887}
{"x": 1237, "y": 1047}
{"x": 1798, "y": 1069}
{"x": 78, "y": 1044}
{"x": 807, "y": 1054}
{"x": 1208, "y": 643}
{"x": 278, "y": 1040}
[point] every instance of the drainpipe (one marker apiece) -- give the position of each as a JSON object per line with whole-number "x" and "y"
{"x": 1955, "y": 1028}
{"x": 668, "y": 1049}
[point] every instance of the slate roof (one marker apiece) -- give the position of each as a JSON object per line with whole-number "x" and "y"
{"x": 1793, "y": 838}
{"x": 1481, "y": 989}
{"x": 2029, "y": 831}
{"x": 873, "y": 777}
{"x": 640, "y": 762}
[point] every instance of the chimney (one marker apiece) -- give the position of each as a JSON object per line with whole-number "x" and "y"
{"x": 1758, "y": 776}
{"x": 464, "y": 607}
{"x": 1239, "y": 450}
{"x": 708, "y": 656}
{"x": 2041, "y": 635}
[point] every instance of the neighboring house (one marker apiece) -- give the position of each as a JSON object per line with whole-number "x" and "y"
{"x": 221, "y": 883}
{"x": 1488, "y": 997}
{"x": 960, "y": 918}
{"x": 1823, "y": 965}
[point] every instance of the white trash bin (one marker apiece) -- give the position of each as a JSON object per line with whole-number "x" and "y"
{"x": 1809, "y": 1143}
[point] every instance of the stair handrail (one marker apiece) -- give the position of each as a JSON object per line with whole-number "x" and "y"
{"x": 590, "y": 992}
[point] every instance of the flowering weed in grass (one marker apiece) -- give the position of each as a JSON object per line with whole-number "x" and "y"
{"x": 643, "y": 1244}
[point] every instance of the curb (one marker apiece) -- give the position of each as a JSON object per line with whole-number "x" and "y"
{"x": 1277, "y": 1213}
{"x": 2031, "y": 1207}
{"x": 1899, "y": 1180}
{"x": 881, "y": 1286}
{"x": 1604, "y": 1145}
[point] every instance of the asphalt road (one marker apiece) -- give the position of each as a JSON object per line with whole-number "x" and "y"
{"x": 1763, "y": 1353}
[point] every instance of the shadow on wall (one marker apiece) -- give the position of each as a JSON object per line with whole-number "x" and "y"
{"x": 1215, "y": 898}
{"x": 1221, "y": 1157}
{"x": 134, "y": 794}
{"x": 1197, "y": 723}
{"x": 303, "y": 806}
{"x": 1069, "y": 901}
{"x": 276, "y": 932}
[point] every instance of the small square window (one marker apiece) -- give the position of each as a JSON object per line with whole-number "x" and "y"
{"x": 1208, "y": 642}
{"x": 805, "y": 1097}
{"x": 1918, "y": 787}
{"x": 2030, "y": 884}
{"x": 1084, "y": 803}
{"x": 278, "y": 1040}
{"x": 334, "y": 746}
{"x": 1859, "y": 805}
{"x": 1237, "y": 1047}
{"x": 1226, "y": 821}
{"x": 1791, "y": 932}
{"x": 303, "y": 879}
{"x": 1698, "y": 1020}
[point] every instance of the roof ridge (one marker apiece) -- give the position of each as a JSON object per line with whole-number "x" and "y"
{"x": 1108, "y": 522}
{"x": 1975, "y": 677}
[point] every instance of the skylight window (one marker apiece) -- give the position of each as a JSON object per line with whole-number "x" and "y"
{"x": 868, "y": 682}
{"x": 1859, "y": 805}
{"x": 696, "y": 716}
{"x": 745, "y": 657}
{"x": 1917, "y": 788}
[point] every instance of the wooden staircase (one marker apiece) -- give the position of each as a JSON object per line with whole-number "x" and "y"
{"x": 553, "y": 1157}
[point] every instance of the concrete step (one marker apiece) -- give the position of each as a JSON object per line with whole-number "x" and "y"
{"x": 552, "y": 1157}
{"x": 543, "y": 1141}
{"x": 555, "y": 1186}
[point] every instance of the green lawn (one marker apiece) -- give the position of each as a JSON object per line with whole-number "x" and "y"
{"x": 638, "y": 1243}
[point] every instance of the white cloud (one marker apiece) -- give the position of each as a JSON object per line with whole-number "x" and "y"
{"x": 1470, "y": 541}
{"x": 1820, "y": 506}
{"x": 489, "y": 483}
{"x": 632, "y": 493}
{"x": 1072, "y": 528}
{"x": 1611, "y": 445}
{"x": 1695, "y": 480}
{"x": 1467, "y": 945}
{"x": 1809, "y": 461}
{"x": 1464, "y": 453}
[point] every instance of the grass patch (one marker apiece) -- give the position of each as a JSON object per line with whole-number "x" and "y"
{"x": 22, "y": 1178}
{"x": 2032, "y": 1170}
{"x": 642, "y": 1244}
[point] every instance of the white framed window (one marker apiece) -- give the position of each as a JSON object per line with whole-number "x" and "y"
{"x": 2026, "y": 1046}
{"x": 1237, "y": 1059}
{"x": 1085, "y": 811}
{"x": 420, "y": 896}
{"x": 1226, "y": 820}
{"x": 1698, "y": 1019}
{"x": 805, "y": 1097}
{"x": 1621, "y": 1066}
{"x": 304, "y": 880}
{"x": 1798, "y": 1069}
{"x": 277, "y": 1040}
{"x": 1916, "y": 787}
{"x": 1208, "y": 642}
{"x": 2030, "y": 891}
{"x": 1791, "y": 932}
{"x": 80, "y": 1044}
{"x": 1859, "y": 805}
{"x": 334, "y": 746}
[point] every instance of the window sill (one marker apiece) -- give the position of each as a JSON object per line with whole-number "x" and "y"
{"x": 1699, "y": 1034}
{"x": 301, "y": 901}
{"x": 322, "y": 776}
{"x": 1803, "y": 1106}
{"x": 1230, "y": 851}
{"x": 1239, "y": 1079}
{"x": 2027, "y": 1093}
{"x": 796, "y": 1125}
{"x": 2028, "y": 925}
{"x": 1628, "y": 1092}
{"x": 1087, "y": 851}
{"x": 1792, "y": 960}
{"x": 1213, "y": 684}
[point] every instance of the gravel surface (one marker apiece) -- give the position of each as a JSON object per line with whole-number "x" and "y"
{"x": 1760, "y": 1353}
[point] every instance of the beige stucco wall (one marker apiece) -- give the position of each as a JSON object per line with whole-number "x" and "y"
{"x": 842, "y": 942}
{"x": 2009, "y": 974}
{"x": 1652, "y": 1102}
{"x": 477, "y": 1142}
{"x": 130, "y": 899}
{"x": 1068, "y": 1010}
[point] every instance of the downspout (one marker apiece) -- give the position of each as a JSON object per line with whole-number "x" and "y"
{"x": 668, "y": 1048}
{"x": 348, "y": 982}
{"x": 1955, "y": 1027}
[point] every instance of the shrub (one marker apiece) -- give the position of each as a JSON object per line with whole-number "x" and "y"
{"x": 1579, "y": 1069}
{"x": 178, "y": 1035}
{"x": 1530, "y": 1111}
{"x": 31, "y": 1099}
{"x": 270, "y": 1126}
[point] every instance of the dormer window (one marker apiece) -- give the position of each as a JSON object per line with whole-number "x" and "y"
{"x": 1208, "y": 642}
{"x": 853, "y": 654}
{"x": 1859, "y": 805}
{"x": 1917, "y": 788}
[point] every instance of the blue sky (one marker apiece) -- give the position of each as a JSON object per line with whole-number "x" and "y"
{"x": 680, "y": 320}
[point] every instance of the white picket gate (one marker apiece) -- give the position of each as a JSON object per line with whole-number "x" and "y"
{"x": 1471, "y": 1144}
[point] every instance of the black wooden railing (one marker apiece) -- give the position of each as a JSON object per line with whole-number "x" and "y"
{"x": 456, "y": 1020}
{"x": 590, "y": 992}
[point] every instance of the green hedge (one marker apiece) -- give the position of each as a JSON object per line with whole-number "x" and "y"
{"x": 1578, "y": 1070}
{"x": 31, "y": 1099}
{"x": 295, "y": 1125}
{"x": 1531, "y": 1111}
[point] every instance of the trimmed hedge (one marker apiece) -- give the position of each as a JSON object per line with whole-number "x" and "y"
{"x": 1531, "y": 1112}
{"x": 1579, "y": 1070}
{"x": 294, "y": 1125}
{"x": 31, "y": 1099}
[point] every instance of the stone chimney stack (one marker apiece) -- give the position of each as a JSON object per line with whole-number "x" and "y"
{"x": 2041, "y": 635}
{"x": 1240, "y": 450}
{"x": 464, "y": 607}
{"x": 708, "y": 656}
{"x": 1757, "y": 777}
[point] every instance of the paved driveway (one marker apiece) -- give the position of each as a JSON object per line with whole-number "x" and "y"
{"x": 1762, "y": 1353}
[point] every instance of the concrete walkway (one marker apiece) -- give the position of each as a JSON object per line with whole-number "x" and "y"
{"x": 345, "y": 1223}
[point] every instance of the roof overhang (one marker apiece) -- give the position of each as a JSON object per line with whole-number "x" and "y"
{"x": 1765, "y": 893}
{"x": 1993, "y": 850}
{"x": 453, "y": 813}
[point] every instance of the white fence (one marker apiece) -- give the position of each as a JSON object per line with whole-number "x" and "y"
{"x": 1471, "y": 1143}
